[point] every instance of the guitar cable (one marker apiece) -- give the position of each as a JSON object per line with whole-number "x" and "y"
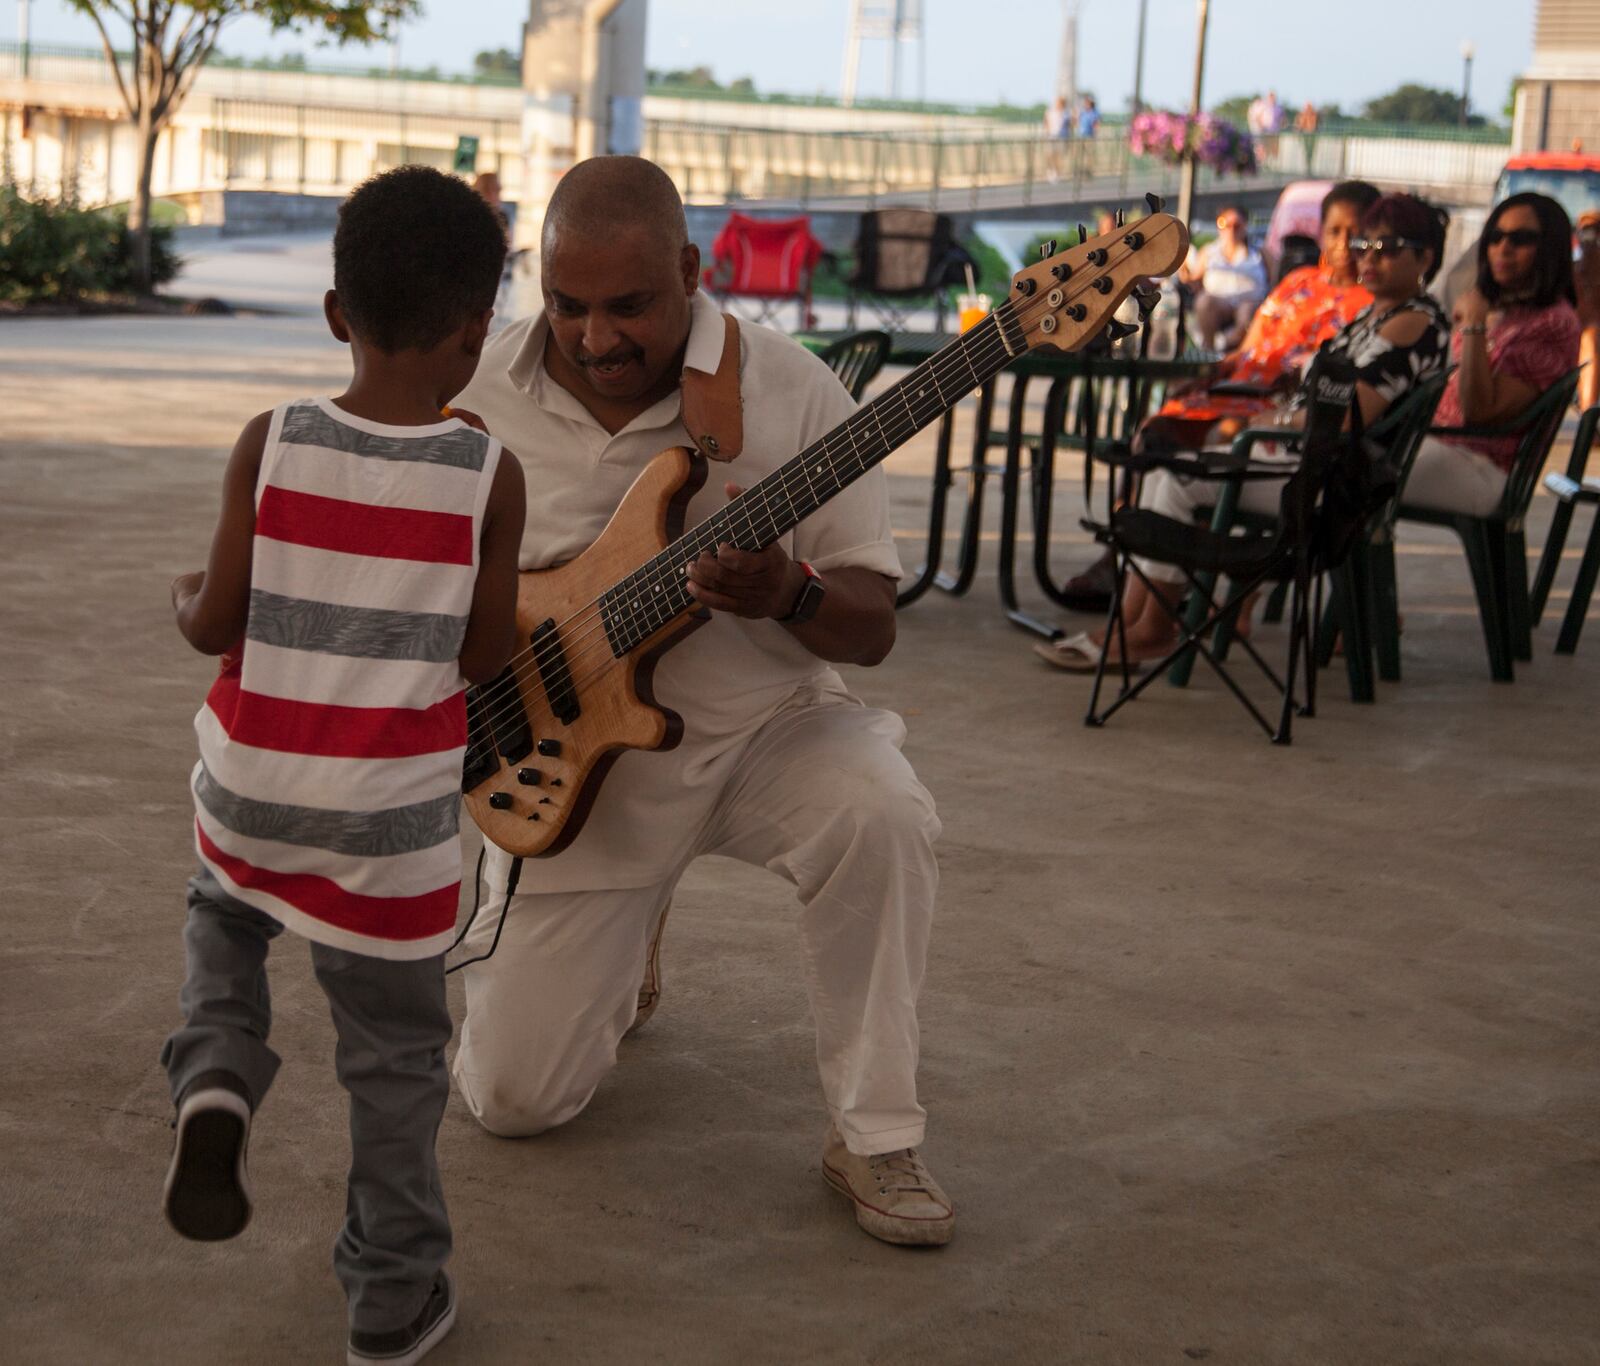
{"x": 477, "y": 894}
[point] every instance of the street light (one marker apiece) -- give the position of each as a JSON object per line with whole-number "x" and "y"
{"x": 1467, "y": 54}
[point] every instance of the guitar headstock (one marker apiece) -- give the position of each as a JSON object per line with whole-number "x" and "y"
{"x": 1067, "y": 298}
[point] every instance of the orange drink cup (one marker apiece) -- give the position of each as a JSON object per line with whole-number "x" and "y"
{"x": 974, "y": 308}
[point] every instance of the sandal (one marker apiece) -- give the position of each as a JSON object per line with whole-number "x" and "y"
{"x": 1080, "y": 654}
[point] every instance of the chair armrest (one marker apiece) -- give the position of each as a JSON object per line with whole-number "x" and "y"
{"x": 1289, "y": 436}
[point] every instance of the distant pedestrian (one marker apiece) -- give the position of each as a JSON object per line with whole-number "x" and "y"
{"x": 1057, "y": 130}
{"x": 1305, "y": 123}
{"x": 1088, "y": 118}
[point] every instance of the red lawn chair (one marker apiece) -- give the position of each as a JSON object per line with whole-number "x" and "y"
{"x": 770, "y": 260}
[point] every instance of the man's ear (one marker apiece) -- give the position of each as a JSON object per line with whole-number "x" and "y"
{"x": 335, "y": 317}
{"x": 689, "y": 263}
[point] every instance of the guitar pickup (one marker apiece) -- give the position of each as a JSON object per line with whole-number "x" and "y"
{"x": 551, "y": 660}
{"x": 479, "y": 763}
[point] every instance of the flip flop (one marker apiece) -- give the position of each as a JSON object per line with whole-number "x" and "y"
{"x": 1079, "y": 654}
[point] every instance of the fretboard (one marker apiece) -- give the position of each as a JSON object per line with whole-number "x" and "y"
{"x": 635, "y": 607}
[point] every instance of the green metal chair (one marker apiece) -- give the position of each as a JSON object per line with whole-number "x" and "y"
{"x": 1569, "y": 489}
{"x": 856, "y": 359}
{"x": 1496, "y": 545}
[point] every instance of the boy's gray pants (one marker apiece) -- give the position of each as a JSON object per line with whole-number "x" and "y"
{"x": 392, "y": 1026}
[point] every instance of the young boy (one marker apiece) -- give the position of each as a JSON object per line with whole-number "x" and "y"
{"x": 364, "y": 564}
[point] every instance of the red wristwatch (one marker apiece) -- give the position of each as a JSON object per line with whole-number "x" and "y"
{"x": 808, "y": 599}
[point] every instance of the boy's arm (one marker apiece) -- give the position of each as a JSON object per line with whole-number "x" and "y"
{"x": 492, "y": 625}
{"x": 212, "y": 603}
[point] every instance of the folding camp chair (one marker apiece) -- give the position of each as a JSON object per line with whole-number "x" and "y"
{"x": 903, "y": 258}
{"x": 1294, "y": 547}
{"x": 768, "y": 260}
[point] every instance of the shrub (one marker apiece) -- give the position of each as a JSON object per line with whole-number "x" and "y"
{"x": 58, "y": 251}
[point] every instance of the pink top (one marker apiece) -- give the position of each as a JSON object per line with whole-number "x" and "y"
{"x": 1534, "y": 345}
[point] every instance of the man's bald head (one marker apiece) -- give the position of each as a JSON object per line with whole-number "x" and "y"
{"x": 599, "y": 196}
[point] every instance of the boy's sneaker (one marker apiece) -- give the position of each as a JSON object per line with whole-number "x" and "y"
{"x": 402, "y": 1346}
{"x": 207, "y": 1196}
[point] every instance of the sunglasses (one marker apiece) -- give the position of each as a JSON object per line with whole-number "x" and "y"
{"x": 1383, "y": 246}
{"x": 1518, "y": 237}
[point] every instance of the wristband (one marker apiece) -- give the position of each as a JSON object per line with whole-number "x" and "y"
{"x": 1473, "y": 329}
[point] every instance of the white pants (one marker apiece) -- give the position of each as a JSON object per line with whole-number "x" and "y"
{"x": 1454, "y": 479}
{"x": 1181, "y": 498}
{"x": 821, "y": 796}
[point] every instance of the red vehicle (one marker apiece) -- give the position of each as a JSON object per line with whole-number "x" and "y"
{"x": 1570, "y": 178}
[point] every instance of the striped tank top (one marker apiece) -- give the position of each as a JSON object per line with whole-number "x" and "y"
{"x": 328, "y": 791}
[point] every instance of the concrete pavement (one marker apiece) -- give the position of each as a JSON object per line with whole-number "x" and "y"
{"x": 1233, "y": 1053}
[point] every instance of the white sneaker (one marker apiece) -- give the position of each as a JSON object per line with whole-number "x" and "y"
{"x": 895, "y": 1197}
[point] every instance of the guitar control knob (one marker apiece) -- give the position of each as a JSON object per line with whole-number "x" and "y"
{"x": 1098, "y": 257}
{"x": 500, "y": 800}
{"x": 549, "y": 748}
{"x": 1103, "y": 284}
{"x": 528, "y": 777}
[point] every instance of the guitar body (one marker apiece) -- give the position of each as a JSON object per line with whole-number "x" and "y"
{"x": 616, "y": 708}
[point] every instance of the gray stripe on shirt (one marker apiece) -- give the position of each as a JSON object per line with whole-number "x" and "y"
{"x": 306, "y": 424}
{"x": 360, "y": 834}
{"x": 357, "y": 632}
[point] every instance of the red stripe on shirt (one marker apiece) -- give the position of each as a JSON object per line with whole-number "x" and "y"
{"x": 389, "y": 533}
{"x": 335, "y": 732}
{"x": 394, "y": 918}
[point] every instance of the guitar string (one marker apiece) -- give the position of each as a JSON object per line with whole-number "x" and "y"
{"x": 745, "y": 520}
{"x": 986, "y": 348}
{"x": 508, "y": 698}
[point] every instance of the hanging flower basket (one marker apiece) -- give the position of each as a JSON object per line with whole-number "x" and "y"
{"x": 1214, "y": 142}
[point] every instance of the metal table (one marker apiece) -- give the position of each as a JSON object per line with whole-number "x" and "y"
{"x": 1133, "y": 376}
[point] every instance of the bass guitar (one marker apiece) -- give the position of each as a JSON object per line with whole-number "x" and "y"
{"x": 542, "y": 735}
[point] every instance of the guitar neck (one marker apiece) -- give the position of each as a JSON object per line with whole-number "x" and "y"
{"x": 637, "y": 606}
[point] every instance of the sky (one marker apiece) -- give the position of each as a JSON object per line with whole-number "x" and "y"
{"x": 1327, "y": 51}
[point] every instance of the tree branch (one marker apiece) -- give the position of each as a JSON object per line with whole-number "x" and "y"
{"x": 111, "y": 59}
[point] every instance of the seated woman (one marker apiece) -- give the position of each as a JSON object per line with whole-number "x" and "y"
{"x": 1516, "y": 334}
{"x": 1308, "y": 307}
{"x": 1229, "y": 279}
{"x": 1395, "y": 343}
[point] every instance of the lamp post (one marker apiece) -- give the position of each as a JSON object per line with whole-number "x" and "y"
{"x": 1138, "y": 59}
{"x": 1467, "y": 54}
{"x": 1186, "y": 174}
{"x": 22, "y": 37}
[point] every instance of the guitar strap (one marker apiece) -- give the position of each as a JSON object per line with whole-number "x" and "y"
{"x": 713, "y": 411}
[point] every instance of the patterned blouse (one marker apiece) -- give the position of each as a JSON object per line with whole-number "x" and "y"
{"x": 1391, "y": 369}
{"x": 1534, "y": 345}
{"x": 1305, "y": 310}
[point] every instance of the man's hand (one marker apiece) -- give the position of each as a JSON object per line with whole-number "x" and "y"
{"x": 753, "y": 584}
{"x": 469, "y": 417}
{"x": 1472, "y": 309}
{"x": 185, "y": 586}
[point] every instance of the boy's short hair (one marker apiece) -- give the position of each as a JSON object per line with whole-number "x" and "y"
{"x": 416, "y": 254}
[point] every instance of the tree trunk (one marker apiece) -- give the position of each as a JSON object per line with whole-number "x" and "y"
{"x": 139, "y": 208}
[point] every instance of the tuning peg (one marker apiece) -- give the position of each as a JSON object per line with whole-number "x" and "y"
{"x": 1117, "y": 329}
{"x": 1155, "y": 202}
{"x": 1083, "y": 234}
{"x": 1119, "y": 218}
{"x": 1047, "y": 249}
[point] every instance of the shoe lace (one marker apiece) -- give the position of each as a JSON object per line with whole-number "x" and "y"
{"x": 901, "y": 1170}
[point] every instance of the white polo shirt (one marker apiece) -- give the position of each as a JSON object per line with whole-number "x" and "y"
{"x": 730, "y": 676}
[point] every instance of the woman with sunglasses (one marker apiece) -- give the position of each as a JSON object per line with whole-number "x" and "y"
{"x": 1395, "y": 343}
{"x": 1307, "y": 307}
{"x": 1516, "y": 334}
